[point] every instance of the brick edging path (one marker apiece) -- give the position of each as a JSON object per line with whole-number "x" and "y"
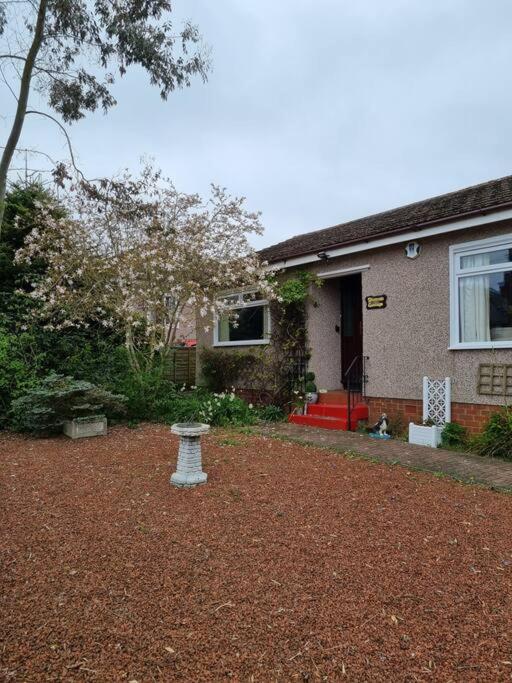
{"x": 471, "y": 469}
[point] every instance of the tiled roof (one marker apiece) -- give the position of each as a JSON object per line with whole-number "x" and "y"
{"x": 475, "y": 199}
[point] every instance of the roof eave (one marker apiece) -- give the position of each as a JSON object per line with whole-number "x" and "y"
{"x": 397, "y": 231}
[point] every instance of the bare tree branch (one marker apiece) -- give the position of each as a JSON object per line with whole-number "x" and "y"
{"x": 11, "y": 56}
{"x": 68, "y": 140}
{"x": 8, "y": 84}
{"x": 21, "y": 108}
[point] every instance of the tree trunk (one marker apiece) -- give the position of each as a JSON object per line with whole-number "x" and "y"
{"x": 19, "y": 118}
{"x": 130, "y": 350}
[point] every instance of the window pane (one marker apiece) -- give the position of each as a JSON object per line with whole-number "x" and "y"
{"x": 488, "y": 258}
{"x": 241, "y": 298}
{"x": 250, "y": 325}
{"x": 486, "y": 307}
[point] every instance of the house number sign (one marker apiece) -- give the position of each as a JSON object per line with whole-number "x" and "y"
{"x": 378, "y": 301}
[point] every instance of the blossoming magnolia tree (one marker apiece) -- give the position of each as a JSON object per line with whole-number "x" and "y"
{"x": 133, "y": 253}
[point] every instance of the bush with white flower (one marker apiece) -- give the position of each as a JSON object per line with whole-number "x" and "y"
{"x": 225, "y": 409}
{"x": 132, "y": 253}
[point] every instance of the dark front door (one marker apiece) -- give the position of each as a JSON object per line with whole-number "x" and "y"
{"x": 351, "y": 322}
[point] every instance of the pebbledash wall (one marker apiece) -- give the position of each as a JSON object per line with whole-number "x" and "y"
{"x": 409, "y": 338}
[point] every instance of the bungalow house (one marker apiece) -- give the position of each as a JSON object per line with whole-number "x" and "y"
{"x": 421, "y": 290}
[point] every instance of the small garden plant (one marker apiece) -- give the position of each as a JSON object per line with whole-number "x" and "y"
{"x": 496, "y": 439}
{"x": 310, "y": 385}
{"x": 454, "y": 436}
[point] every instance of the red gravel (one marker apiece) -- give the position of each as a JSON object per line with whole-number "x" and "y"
{"x": 291, "y": 564}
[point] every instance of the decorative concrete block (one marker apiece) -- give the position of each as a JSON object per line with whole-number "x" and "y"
{"x": 80, "y": 427}
{"x": 425, "y": 436}
{"x": 189, "y": 470}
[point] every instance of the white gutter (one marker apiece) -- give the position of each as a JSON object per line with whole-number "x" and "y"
{"x": 416, "y": 233}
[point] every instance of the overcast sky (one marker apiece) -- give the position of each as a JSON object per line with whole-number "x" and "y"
{"x": 319, "y": 111}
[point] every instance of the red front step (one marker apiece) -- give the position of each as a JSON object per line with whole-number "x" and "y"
{"x": 331, "y": 416}
{"x": 338, "y": 397}
{"x": 327, "y": 410}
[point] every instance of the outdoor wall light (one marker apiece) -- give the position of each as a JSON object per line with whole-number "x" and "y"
{"x": 413, "y": 250}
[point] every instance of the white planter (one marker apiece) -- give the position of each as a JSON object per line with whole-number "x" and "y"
{"x": 311, "y": 397}
{"x": 425, "y": 436}
{"x": 80, "y": 427}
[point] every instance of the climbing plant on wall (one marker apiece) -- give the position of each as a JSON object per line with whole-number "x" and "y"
{"x": 283, "y": 364}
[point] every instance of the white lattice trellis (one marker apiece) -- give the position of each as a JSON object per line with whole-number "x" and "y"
{"x": 437, "y": 397}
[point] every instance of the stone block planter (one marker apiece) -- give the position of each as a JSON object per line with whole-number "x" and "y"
{"x": 425, "y": 436}
{"x": 189, "y": 470}
{"x": 82, "y": 427}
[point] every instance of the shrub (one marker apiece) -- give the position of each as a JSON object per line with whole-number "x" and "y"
{"x": 44, "y": 408}
{"x": 20, "y": 362}
{"x": 496, "y": 438}
{"x": 454, "y": 436}
{"x": 222, "y": 369}
{"x": 221, "y": 410}
{"x": 90, "y": 354}
{"x": 397, "y": 426}
{"x": 149, "y": 396}
{"x": 271, "y": 413}
{"x": 310, "y": 385}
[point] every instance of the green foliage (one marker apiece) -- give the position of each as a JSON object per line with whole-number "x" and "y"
{"x": 454, "y": 436}
{"x": 279, "y": 374}
{"x": 20, "y": 361}
{"x": 153, "y": 397}
{"x": 222, "y": 369}
{"x": 271, "y": 413}
{"x": 43, "y": 408}
{"x": 310, "y": 385}
{"x": 109, "y": 38}
{"x": 397, "y": 427}
{"x": 496, "y": 438}
{"x": 295, "y": 290}
{"x": 150, "y": 396}
{"x": 92, "y": 353}
{"x": 220, "y": 409}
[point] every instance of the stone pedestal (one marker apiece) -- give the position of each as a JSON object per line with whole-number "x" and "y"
{"x": 189, "y": 470}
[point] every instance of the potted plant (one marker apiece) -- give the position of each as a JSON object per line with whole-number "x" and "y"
{"x": 426, "y": 434}
{"x": 311, "y": 390}
{"x": 58, "y": 403}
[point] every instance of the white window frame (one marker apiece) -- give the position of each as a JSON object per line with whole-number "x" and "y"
{"x": 237, "y": 306}
{"x": 471, "y": 249}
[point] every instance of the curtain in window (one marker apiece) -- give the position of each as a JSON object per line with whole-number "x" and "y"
{"x": 223, "y": 327}
{"x": 475, "y": 302}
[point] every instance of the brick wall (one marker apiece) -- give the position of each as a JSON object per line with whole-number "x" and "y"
{"x": 473, "y": 416}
